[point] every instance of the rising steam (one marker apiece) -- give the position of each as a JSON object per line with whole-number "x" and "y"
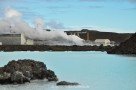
{"x": 13, "y": 23}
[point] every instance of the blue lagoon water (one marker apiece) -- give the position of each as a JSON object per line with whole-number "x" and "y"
{"x": 93, "y": 70}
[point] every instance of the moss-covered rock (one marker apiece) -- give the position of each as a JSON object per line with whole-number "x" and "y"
{"x": 22, "y": 71}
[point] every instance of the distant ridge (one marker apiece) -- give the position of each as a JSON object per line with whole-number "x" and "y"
{"x": 95, "y": 34}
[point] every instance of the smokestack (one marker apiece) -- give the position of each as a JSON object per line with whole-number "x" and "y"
{"x": 11, "y": 28}
{"x": 39, "y": 24}
{"x": 87, "y": 36}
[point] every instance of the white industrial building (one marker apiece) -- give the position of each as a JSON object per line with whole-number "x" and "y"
{"x": 0, "y": 43}
{"x": 104, "y": 42}
{"x": 15, "y": 39}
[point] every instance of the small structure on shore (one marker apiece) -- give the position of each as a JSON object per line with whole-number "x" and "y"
{"x": 104, "y": 42}
{"x": 82, "y": 34}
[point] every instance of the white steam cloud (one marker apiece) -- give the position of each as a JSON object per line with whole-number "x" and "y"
{"x": 9, "y": 13}
{"x": 13, "y": 23}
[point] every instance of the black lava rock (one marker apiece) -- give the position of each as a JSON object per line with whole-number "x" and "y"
{"x": 127, "y": 47}
{"x": 64, "y": 83}
{"x": 22, "y": 71}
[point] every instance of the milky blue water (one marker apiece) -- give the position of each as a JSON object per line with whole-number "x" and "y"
{"x": 93, "y": 70}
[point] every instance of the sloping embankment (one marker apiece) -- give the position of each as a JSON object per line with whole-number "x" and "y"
{"x": 127, "y": 47}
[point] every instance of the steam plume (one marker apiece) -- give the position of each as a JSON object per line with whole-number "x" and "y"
{"x": 13, "y": 23}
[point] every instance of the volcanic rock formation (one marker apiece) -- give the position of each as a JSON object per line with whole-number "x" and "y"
{"x": 127, "y": 47}
{"x": 22, "y": 71}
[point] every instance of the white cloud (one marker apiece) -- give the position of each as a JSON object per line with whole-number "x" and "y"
{"x": 18, "y": 25}
{"x": 9, "y": 13}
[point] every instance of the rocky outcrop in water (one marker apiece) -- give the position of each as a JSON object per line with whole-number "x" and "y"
{"x": 62, "y": 83}
{"x": 127, "y": 47}
{"x": 21, "y": 71}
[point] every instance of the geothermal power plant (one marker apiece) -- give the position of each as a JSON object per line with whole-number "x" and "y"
{"x": 15, "y": 31}
{"x": 22, "y": 34}
{"x": 84, "y": 36}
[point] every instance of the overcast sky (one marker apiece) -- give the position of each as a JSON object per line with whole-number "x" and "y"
{"x": 105, "y": 15}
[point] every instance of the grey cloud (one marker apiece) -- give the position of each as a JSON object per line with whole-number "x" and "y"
{"x": 58, "y": 7}
{"x": 93, "y": 7}
{"x": 92, "y": 0}
{"x": 132, "y": 1}
{"x": 52, "y": 0}
{"x": 134, "y": 8}
{"x": 55, "y": 25}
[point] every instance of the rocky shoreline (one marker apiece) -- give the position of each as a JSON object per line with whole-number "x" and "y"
{"x": 10, "y": 48}
{"x": 21, "y": 71}
{"x": 126, "y": 47}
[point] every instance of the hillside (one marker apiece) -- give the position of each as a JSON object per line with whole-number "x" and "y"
{"x": 127, "y": 47}
{"x": 94, "y": 34}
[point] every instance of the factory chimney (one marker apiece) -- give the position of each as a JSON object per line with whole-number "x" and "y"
{"x": 11, "y": 28}
{"x": 39, "y": 24}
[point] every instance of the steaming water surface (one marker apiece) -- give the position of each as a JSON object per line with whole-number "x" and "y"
{"x": 93, "y": 70}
